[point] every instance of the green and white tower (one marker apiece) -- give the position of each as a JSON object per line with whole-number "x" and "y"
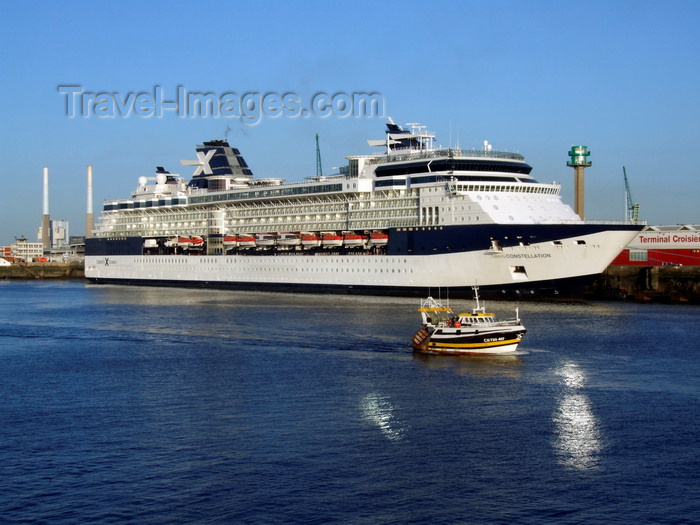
{"x": 579, "y": 161}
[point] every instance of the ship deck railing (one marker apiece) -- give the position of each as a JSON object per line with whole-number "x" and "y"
{"x": 258, "y": 185}
{"x": 615, "y": 223}
{"x": 448, "y": 152}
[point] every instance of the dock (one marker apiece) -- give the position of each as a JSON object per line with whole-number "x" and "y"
{"x": 664, "y": 284}
{"x": 43, "y": 270}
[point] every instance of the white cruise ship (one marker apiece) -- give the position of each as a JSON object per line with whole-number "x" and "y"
{"x": 407, "y": 221}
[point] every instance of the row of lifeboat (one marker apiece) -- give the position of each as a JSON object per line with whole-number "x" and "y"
{"x": 193, "y": 242}
{"x": 306, "y": 240}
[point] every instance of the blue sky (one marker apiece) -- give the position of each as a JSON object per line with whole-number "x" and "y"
{"x": 535, "y": 77}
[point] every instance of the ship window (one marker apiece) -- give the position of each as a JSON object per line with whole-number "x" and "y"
{"x": 580, "y": 241}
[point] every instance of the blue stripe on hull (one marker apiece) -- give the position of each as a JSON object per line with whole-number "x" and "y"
{"x": 450, "y": 239}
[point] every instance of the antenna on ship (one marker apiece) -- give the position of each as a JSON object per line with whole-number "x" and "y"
{"x": 319, "y": 169}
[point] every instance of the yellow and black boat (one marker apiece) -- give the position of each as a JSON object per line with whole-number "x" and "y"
{"x": 475, "y": 333}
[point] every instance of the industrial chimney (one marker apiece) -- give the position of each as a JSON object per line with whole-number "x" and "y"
{"x": 45, "y": 220}
{"x": 89, "y": 221}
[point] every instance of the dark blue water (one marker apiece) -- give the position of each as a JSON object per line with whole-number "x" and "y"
{"x": 146, "y": 405}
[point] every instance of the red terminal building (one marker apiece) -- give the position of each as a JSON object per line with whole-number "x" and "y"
{"x": 677, "y": 245}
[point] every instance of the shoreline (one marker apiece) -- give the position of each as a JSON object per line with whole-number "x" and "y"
{"x": 43, "y": 271}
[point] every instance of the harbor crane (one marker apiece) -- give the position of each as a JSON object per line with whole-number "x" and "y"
{"x": 631, "y": 210}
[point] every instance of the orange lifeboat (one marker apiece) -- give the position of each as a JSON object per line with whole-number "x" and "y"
{"x": 379, "y": 238}
{"x": 245, "y": 241}
{"x": 353, "y": 240}
{"x": 331, "y": 240}
{"x": 310, "y": 240}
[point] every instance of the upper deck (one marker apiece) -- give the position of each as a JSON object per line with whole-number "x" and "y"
{"x": 410, "y": 159}
{"x": 447, "y": 153}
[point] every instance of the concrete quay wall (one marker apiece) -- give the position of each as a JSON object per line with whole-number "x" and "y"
{"x": 668, "y": 284}
{"x": 43, "y": 270}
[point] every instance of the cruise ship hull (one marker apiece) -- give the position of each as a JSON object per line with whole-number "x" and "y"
{"x": 409, "y": 220}
{"x": 514, "y": 261}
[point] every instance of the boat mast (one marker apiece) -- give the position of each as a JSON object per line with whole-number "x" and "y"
{"x": 479, "y": 307}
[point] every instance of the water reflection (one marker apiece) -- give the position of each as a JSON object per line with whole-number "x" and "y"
{"x": 578, "y": 440}
{"x": 486, "y": 365}
{"x": 378, "y": 410}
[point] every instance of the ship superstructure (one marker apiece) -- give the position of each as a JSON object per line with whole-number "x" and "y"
{"x": 406, "y": 219}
